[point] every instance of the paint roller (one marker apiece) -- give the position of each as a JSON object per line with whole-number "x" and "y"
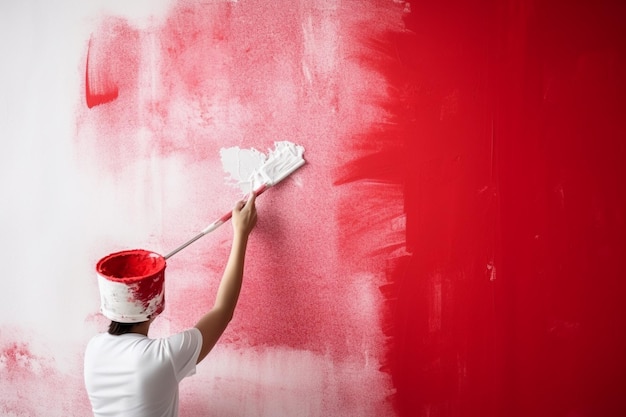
{"x": 281, "y": 162}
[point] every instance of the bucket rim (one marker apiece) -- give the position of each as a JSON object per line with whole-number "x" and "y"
{"x": 157, "y": 268}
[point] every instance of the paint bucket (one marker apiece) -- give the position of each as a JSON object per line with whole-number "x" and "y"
{"x": 131, "y": 285}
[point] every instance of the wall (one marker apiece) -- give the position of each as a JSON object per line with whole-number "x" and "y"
{"x": 453, "y": 247}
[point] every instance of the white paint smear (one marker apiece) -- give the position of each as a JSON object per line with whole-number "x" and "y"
{"x": 249, "y": 168}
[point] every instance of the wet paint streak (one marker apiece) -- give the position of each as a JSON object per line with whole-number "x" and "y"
{"x": 112, "y": 63}
{"x": 97, "y": 93}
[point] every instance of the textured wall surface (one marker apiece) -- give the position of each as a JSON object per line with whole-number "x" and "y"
{"x": 454, "y": 245}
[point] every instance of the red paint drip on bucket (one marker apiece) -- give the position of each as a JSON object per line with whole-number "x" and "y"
{"x": 131, "y": 285}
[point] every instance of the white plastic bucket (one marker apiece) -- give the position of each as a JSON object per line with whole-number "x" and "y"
{"x": 131, "y": 285}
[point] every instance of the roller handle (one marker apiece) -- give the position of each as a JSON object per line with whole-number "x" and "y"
{"x": 217, "y": 223}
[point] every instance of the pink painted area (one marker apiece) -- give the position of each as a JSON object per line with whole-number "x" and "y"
{"x": 16, "y": 359}
{"x": 248, "y": 74}
{"x": 31, "y": 382}
{"x": 228, "y": 74}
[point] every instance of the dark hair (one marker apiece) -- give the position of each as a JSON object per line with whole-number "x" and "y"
{"x": 116, "y": 328}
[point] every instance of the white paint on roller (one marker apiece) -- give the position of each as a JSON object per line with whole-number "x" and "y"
{"x": 240, "y": 164}
{"x": 249, "y": 168}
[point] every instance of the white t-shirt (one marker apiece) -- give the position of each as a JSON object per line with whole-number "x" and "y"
{"x": 133, "y": 375}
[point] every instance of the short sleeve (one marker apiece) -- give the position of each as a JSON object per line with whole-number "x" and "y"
{"x": 184, "y": 351}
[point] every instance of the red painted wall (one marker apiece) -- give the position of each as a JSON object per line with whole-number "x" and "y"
{"x": 511, "y": 117}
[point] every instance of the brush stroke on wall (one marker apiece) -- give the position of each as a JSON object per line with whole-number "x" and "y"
{"x": 453, "y": 246}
